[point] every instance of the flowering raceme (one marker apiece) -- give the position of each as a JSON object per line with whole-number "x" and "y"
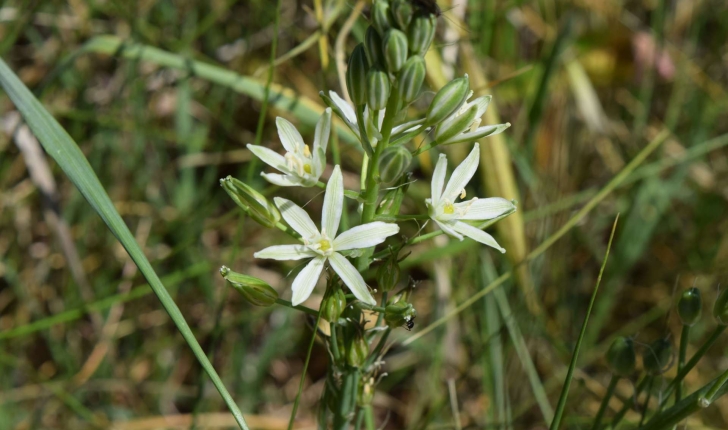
{"x": 322, "y": 246}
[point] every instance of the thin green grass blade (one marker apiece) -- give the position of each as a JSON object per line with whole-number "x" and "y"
{"x": 523, "y": 354}
{"x": 59, "y": 145}
{"x": 570, "y": 374}
{"x": 303, "y": 108}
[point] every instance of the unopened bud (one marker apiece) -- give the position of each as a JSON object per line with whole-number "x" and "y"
{"x": 256, "y": 291}
{"x": 255, "y": 204}
{"x": 356, "y": 75}
{"x": 720, "y": 310}
{"x": 393, "y": 163}
{"x": 395, "y": 49}
{"x": 411, "y": 77}
{"x": 380, "y": 16}
{"x": 402, "y": 12}
{"x": 448, "y": 100}
{"x": 388, "y": 274}
{"x": 657, "y": 358}
{"x": 373, "y": 45}
{"x": 690, "y": 306}
{"x": 420, "y": 33}
{"x": 400, "y": 314}
{"x": 333, "y": 305}
{"x": 357, "y": 352}
{"x": 621, "y": 356}
{"x": 378, "y": 88}
{"x": 455, "y": 124}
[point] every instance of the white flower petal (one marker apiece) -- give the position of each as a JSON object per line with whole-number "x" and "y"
{"x": 297, "y": 218}
{"x": 480, "y": 132}
{"x": 462, "y": 174}
{"x": 482, "y": 209}
{"x": 285, "y": 252}
{"x": 438, "y": 179}
{"x": 477, "y": 235}
{"x": 345, "y": 107}
{"x": 351, "y": 277}
{"x": 447, "y": 228}
{"x": 306, "y": 280}
{"x": 290, "y": 137}
{"x": 482, "y": 103}
{"x": 282, "y": 180}
{"x": 333, "y": 203}
{"x": 365, "y": 235}
{"x": 269, "y": 157}
{"x": 322, "y": 133}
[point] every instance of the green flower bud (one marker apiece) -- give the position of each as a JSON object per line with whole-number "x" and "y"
{"x": 378, "y": 89}
{"x": 395, "y": 50}
{"x": 720, "y": 310}
{"x": 420, "y": 33}
{"x": 690, "y": 306}
{"x": 356, "y": 75}
{"x": 380, "y": 16}
{"x": 411, "y": 77}
{"x": 400, "y": 314}
{"x": 373, "y": 45}
{"x": 456, "y": 124}
{"x": 402, "y": 12}
{"x": 393, "y": 163}
{"x": 657, "y": 358}
{"x": 255, "y": 204}
{"x": 256, "y": 291}
{"x": 621, "y": 357}
{"x": 388, "y": 274}
{"x": 357, "y": 352}
{"x": 333, "y": 305}
{"x": 448, "y": 100}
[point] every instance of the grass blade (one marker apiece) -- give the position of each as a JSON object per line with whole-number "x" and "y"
{"x": 59, "y": 145}
{"x": 570, "y": 374}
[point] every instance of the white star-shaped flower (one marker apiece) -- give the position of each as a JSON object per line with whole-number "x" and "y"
{"x": 300, "y": 166}
{"x": 322, "y": 246}
{"x": 450, "y": 215}
{"x": 463, "y": 125}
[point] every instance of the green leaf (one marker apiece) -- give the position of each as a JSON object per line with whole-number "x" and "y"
{"x": 59, "y": 145}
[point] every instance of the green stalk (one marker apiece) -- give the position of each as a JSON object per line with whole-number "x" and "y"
{"x": 369, "y": 417}
{"x": 630, "y": 401}
{"x": 303, "y": 372}
{"x": 693, "y": 361}
{"x": 570, "y": 373}
{"x": 647, "y": 400}
{"x": 605, "y": 402}
{"x": 684, "y": 340}
{"x": 689, "y": 405}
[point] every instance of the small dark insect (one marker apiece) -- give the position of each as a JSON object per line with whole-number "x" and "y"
{"x": 429, "y": 6}
{"x": 410, "y": 324}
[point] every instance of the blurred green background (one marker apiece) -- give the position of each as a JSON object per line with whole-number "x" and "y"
{"x": 585, "y": 83}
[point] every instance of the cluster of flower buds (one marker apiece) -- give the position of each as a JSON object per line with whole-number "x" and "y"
{"x": 251, "y": 201}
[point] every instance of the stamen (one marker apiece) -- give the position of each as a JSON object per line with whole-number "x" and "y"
{"x": 476, "y": 123}
{"x": 306, "y": 151}
{"x": 462, "y": 194}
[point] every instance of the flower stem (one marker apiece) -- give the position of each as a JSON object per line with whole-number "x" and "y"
{"x": 693, "y": 361}
{"x": 605, "y": 402}
{"x": 301, "y": 308}
{"x": 646, "y": 405}
{"x": 303, "y": 372}
{"x": 629, "y": 402}
{"x": 684, "y": 340}
{"x": 369, "y": 417}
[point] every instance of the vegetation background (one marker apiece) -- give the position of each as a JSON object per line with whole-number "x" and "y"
{"x": 85, "y": 344}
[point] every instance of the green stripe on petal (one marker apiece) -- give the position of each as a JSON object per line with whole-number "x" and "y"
{"x": 482, "y": 209}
